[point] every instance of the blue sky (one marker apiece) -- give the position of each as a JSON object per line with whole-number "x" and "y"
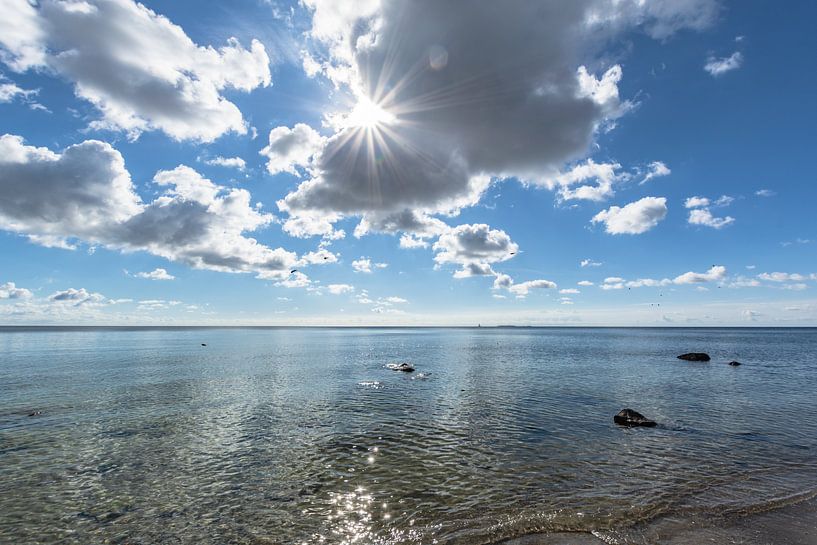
{"x": 527, "y": 162}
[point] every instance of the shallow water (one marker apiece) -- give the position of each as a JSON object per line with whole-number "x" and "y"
{"x": 305, "y": 436}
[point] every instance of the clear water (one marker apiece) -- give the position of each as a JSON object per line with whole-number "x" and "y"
{"x": 280, "y": 436}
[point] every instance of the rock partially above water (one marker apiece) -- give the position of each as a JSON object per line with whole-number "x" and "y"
{"x": 694, "y": 356}
{"x": 629, "y": 417}
{"x": 404, "y": 367}
{"x": 734, "y": 363}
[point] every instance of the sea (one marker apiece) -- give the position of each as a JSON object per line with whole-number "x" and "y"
{"x": 500, "y": 435}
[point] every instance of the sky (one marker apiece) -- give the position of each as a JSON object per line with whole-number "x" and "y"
{"x": 382, "y": 162}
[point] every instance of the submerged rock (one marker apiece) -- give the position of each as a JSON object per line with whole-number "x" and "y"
{"x": 734, "y": 363}
{"x": 35, "y": 413}
{"x": 629, "y": 417}
{"x": 694, "y": 356}
{"x": 404, "y": 367}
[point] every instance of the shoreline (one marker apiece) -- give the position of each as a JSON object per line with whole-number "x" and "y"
{"x": 22, "y": 328}
{"x": 789, "y": 524}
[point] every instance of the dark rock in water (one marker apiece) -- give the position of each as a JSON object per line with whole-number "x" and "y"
{"x": 694, "y": 356}
{"x": 629, "y": 417}
{"x": 204, "y": 344}
{"x": 404, "y": 367}
{"x": 35, "y": 413}
{"x": 734, "y": 363}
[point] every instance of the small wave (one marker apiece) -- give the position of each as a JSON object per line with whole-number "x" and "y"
{"x": 373, "y": 384}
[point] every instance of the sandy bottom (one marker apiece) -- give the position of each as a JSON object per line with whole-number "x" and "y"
{"x": 791, "y": 525}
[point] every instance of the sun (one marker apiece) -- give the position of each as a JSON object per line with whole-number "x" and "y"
{"x": 368, "y": 115}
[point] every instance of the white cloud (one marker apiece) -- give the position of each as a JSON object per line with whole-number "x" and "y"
{"x": 295, "y": 279}
{"x": 613, "y": 283}
{"x": 585, "y": 283}
{"x": 568, "y": 291}
{"x": 156, "y": 274}
{"x": 659, "y": 18}
{"x": 468, "y": 270}
{"x": 590, "y": 263}
{"x": 396, "y": 300}
{"x": 291, "y": 149}
{"x": 409, "y": 241}
{"x": 700, "y": 213}
{"x": 696, "y": 202}
{"x": 656, "y": 170}
{"x": 635, "y": 218}
{"x": 765, "y": 193}
{"x": 9, "y": 91}
{"x": 796, "y": 241}
{"x": 743, "y": 282}
{"x": 76, "y": 297}
{"x": 521, "y": 290}
{"x": 474, "y": 247}
{"x": 785, "y": 277}
{"x": 795, "y": 287}
{"x": 10, "y": 291}
{"x": 85, "y": 194}
{"x": 313, "y": 225}
{"x": 617, "y": 283}
{"x": 718, "y": 66}
{"x": 604, "y": 175}
{"x": 321, "y": 256}
{"x": 21, "y": 36}
{"x": 138, "y": 68}
{"x": 229, "y": 162}
{"x": 724, "y": 200}
{"x": 648, "y": 283}
{"x": 703, "y": 216}
{"x": 339, "y": 289}
{"x": 715, "y": 273}
{"x": 416, "y": 224}
{"x": 364, "y": 265}
{"x": 414, "y": 147}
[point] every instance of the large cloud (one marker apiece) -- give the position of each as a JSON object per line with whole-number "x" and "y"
{"x": 452, "y": 94}
{"x": 141, "y": 70}
{"x": 86, "y": 194}
{"x": 78, "y": 193}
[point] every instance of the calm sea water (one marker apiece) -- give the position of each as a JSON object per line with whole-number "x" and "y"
{"x": 283, "y": 436}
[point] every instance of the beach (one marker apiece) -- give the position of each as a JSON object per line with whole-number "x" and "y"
{"x": 499, "y": 435}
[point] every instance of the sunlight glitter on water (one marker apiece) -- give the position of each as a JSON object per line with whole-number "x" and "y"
{"x": 305, "y": 437}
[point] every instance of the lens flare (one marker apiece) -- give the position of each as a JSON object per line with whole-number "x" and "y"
{"x": 368, "y": 115}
